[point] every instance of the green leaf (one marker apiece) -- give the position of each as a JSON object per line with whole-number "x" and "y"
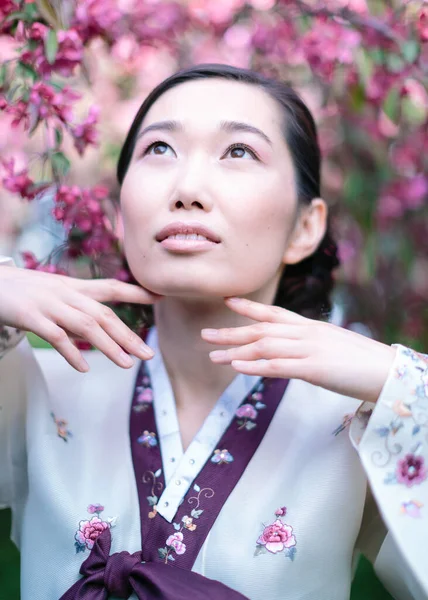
{"x": 410, "y": 50}
{"x": 415, "y": 113}
{"x": 60, "y": 164}
{"x": 152, "y": 500}
{"x": 364, "y": 65}
{"x": 395, "y": 63}
{"x": 391, "y": 105}
{"x": 3, "y": 74}
{"x": 58, "y": 137}
{"x": 51, "y": 46}
{"x": 358, "y": 97}
{"x": 24, "y": 70}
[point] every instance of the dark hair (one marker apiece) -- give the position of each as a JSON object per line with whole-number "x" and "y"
{"x": 304, "y": 287}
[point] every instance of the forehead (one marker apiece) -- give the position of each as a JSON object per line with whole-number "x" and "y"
{"x": 202, "y": 104}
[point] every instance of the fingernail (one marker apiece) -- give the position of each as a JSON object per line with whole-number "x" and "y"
{"x": 125, "y": 359}
{"x": 234, "y": 300}
{"x": 146, "y": 351}
{"x": 220, "y": 354}
{"x": 210, "y": 332}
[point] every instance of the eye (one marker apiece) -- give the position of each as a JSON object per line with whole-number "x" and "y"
{"x": 242, "y": 147}
{"x": 156, "y": 144}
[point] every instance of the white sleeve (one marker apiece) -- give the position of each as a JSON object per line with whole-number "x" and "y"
{"x": 391, "y": 438}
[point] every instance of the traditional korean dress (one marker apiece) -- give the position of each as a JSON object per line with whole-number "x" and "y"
{"x": 269, "y": 501}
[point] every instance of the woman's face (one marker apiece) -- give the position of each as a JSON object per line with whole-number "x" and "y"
{"x": 245, "y": 195}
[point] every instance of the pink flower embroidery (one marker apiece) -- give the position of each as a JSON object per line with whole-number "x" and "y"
{"x": 95, "y": 508}
{"x": 281, "y": 512}
{"x": 410, "y": 470}
{"x": 146, "y": 395}
{"x": 247, "y": 411}
{"x": 176, "y": 542}
{"x": 277, "y": 537}
{"x": 88, "y": 532}
{"x": 412, "y": 509}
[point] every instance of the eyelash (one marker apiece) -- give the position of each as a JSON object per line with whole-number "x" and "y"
{"x": 236, "y": 145}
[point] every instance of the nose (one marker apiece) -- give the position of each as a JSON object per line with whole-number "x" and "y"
{"x": 192, "y": 187}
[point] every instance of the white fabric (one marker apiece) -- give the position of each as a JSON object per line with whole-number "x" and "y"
{"x": 300, "y": 464}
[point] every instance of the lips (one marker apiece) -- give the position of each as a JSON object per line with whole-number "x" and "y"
{"x": 180, "y": 228}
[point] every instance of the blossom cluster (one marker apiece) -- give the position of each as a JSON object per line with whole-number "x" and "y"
{"x": 368, "y": 80}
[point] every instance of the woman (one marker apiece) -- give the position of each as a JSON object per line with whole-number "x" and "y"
{"x": 219, "y": 468}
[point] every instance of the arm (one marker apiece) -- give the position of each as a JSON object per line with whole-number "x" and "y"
{"x": 391, "y": 438}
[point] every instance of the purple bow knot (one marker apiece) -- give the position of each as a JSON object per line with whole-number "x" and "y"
{"x": 117, "y": 572}
{"x": 122, "y": 574}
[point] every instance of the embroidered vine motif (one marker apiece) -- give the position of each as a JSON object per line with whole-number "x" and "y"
{"x": 157, "y": 487}
{"x": 148, "y": 439}
{"x": 277, "y": 537}
{"x": 61, "y": 428}
{"x": 174, "y": 543}
{"x": 89, "y": 530}
{"x": 221, "y": 457}
{"x": 412, "y": 509}
{"x": 144, "y": 395}
{"x": 247, "y": 413}
{"x": 411, "y": 411}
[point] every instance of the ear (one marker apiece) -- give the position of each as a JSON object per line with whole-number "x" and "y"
{"x": 308, "y": 232}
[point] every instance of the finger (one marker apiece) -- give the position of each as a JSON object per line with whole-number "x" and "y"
{"x": 88, "y": 328}
{"x": 112, "y": 290}
{"x": 263, "y": 312}
{"x": 112, "y": 325}
{"x": 58, "y": 338}
{"x": 285, "y": 368}
{"x": 235, "y": 336}
{"x": 266, "y": 348}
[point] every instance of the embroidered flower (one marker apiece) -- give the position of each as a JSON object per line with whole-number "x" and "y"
{"x": 95, "y": 508}
{"x": 247, "y": 411}
{"x": 410, "y": 470}
{"x": 188, "y": 523}
{"x": 175, "y": 541}
{"x": 412, "y": 509}
{"x": 221, "y": 457}
{"x": 277, "y": 537}
{"x": 88, "y": 532}
{"x": 148, "y": 439}
{"x": 61, "y": 428}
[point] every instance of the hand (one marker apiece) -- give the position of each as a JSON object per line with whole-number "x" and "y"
{"x": 293, "y": 346}
{"x": 55, "y": 307}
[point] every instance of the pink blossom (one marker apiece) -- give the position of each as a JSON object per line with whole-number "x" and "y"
{"x": 277, "y": 537}
{"x": 176, "y": 541}
{"x": 85, "y": 133}
{"x": 422, "y": 24}
{"x": 97, "y": 18}
{"x": 18, "y": 183}
{"x": 89, "y": 531}
{"x": 246, "y": 411}
{"x": 411, "y": 470}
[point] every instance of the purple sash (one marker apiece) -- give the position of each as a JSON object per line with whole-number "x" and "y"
{"x": 163, "y": 567}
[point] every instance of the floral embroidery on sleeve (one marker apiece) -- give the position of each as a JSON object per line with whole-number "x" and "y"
{"x": 277, "y": 537}
{"x": 89, "y": 530}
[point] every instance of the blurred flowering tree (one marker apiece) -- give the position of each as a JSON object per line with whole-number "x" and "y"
{"x": 361, "y": 65}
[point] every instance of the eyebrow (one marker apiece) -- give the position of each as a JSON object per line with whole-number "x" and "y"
{"x": 228, "y": 126}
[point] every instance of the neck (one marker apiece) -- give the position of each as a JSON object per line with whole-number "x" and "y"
{"x": 192, "y": 373}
